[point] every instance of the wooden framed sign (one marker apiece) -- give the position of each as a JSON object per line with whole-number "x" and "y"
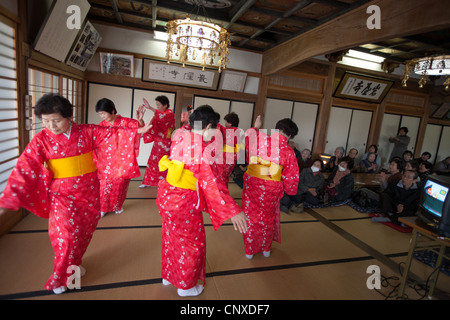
{"x": 364, "y": 88}
{"x": 157, "y": 71}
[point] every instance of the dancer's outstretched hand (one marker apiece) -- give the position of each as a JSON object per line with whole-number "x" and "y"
{"x": 240, "y": 222}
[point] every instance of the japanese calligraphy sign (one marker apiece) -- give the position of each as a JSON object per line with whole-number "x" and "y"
{"x": 156, "y": 71}
{"x": 360, "y": 87}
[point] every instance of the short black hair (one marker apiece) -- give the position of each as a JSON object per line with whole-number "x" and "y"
{"x": 287, "y": 126}
{"x": 105, "y": 105}
{"x": 163, "y": 100}
{"x": 350, "y": 162}
{"x": 400, "y": 163}
{"x": 206, "y": 115}
{"x": 52, "y": 103}
{"x": 232, "y": 118}
{"x": 404, "y": 129}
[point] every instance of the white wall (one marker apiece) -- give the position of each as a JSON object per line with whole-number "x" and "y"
{"x": 143, "y": 43}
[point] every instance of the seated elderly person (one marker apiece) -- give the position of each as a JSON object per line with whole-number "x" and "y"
{"x": 369, "y": 165}
{"x": 309, "y": 186}
{"x": 400, "y": 199}
{"x": 334, "y": 160}
{"x": 304, "y": 161}
{"x": 339, "y": 185}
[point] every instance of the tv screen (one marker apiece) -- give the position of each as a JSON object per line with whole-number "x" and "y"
{"x": 434, "y": 197}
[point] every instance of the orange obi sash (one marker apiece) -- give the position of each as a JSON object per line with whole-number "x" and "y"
{"x": 177, "y": 176}
{"x": 72, "y": 166}
{"x": 236, "y": 149}
{"x": 264, "y": 169}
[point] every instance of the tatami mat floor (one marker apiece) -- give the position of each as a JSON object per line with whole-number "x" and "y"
{"x": 324, "y": 255}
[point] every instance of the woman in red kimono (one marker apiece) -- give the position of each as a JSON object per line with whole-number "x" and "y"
{"x": 231, "y": 135}
{"x": 192, "y": 186}
{"x": 56, "y": 178}
{"x": 113, "y": 192}
{"x": 163, "y": 124}
{"x": 272, "y": 171}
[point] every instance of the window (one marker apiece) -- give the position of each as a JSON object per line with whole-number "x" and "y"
{"x": 43, "y": 82}
{"x": 9, "y": 127}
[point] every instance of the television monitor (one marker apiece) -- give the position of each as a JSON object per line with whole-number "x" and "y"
{"x": 434, "y": 206}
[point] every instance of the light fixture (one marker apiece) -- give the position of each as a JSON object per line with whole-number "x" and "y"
{"x": 428, "y": 66}
{"x": 197, "y": 41}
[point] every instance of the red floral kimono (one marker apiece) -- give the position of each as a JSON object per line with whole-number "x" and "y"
{"x": 160, "y": 134}
{"x": 71, "y": 204}
{"x": 231, "y": 147}
{"x": 183, "y": 233}
{"x": 113, "y": 192}
{"x": 276, "y": 173}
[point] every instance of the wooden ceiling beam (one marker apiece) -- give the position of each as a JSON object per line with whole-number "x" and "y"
{"x": 350, "y": 30}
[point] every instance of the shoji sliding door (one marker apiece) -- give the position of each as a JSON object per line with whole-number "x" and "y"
{"x": 126, "y": 101}
{"x": 348, "y": 128}
{"x": 243, "y": 109}
{"x": 389, "y": 128}
{"x": 303, "y": 114}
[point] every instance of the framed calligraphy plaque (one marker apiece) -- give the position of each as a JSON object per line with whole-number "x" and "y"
{"x": 157, "y": 71}
{"x": 364, "y": 88}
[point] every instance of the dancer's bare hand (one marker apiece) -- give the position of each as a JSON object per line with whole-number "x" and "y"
{"x": 240, "y": 222}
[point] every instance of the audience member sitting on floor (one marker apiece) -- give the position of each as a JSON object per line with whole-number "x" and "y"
{"x": 304, "y": 161}
{"x": 310, "y": 183}
{"x": 424, "y": 157}
{"x": 396, "y": 167}
{"x": 373, "y": 148}
{"x": 407, "y": 156}
{"x": 352, "y": 155}
{"x": 339, "y": 185}
{"x": 400, "y": 199}
{"x": 369, "y": 165}
{"x": 334, "y": 160}
{"x": 424, "y": 170}
{"x": 443, "y": 167}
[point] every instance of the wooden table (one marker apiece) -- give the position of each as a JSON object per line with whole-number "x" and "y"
{"x": 423, "y": 238}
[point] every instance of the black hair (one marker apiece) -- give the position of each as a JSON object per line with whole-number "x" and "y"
{"x": 350, "y": 162}
{"x": 428, "y": 165}
{"x": 416, "y": 174}
{"x": 52, "y": 103}
{"x": 400, "y": 163}
{"x": 375, "y": 146}
{"x": 163, "y": 100}
{"x": 233, "y": 119}
{"x": 287, "y": 126}
{"x": 404, "y": 129}
{"x": 320, "y": 160}
{"x": 206, "y": 115}
{"x": 407, "y": 151}
{"x": 105, "y": 105}
{"x": 414, "y": 164}
{"x": 426, "y": 153}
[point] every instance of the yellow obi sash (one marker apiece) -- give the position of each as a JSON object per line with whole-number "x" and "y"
{"x": 264, "y": 169}
{"x": 177, "y": 176}
{"x": 72, "y": 166}
{"x": 236, "y": 149}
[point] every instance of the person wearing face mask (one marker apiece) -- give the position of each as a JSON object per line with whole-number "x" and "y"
{"x": 310, "y": 185}
{"x": 339, "y": 185}
{"x": 163, "y": 124}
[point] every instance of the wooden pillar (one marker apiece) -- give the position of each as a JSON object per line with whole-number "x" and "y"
{"x": 320, "y": 135}
{"x": 260, "y": 105}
